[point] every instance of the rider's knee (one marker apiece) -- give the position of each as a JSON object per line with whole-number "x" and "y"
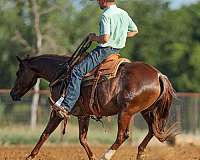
{"x": 77, "y": 71}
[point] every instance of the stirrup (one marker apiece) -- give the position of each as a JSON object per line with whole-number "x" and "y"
{"x": 60, "y": 110}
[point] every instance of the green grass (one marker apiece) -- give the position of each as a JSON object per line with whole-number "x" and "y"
{"x": 23, "y": 134}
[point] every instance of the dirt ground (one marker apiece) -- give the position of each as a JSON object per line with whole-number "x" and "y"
{"x": 126, "y": 152}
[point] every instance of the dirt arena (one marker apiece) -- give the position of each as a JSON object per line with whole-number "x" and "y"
{"x": 76, "y": 152}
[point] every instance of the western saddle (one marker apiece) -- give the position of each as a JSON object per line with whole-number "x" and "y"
{"x": 106, "y": 70}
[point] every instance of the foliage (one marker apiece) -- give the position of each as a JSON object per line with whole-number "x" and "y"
{"x": 168, "y": 39}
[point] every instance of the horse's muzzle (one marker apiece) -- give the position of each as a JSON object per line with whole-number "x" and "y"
{"x": 14, "y": 96}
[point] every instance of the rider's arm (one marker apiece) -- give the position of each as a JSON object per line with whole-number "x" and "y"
{"x": 132, "y": 28}
{"x": 101, "y": 39}
{"x": 132, "y": 34}
{"x": 104, "y": 31}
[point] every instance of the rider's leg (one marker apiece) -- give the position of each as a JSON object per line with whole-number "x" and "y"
{"x": 78, "y": 72}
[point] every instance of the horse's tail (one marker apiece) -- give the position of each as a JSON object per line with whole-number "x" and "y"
{"x": 161, "y": 110}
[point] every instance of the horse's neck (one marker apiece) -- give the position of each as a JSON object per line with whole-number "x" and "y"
{"x": 48, "y": 67}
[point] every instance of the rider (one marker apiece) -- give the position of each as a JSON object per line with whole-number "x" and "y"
{"x": 115, "y": 26}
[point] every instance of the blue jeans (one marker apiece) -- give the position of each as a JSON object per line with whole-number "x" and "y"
{"x": 93, "y": 59}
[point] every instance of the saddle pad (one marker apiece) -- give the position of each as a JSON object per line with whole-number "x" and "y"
{"x": 107, "y": 70}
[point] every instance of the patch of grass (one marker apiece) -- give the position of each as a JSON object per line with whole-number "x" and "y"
{"x": 20, "y": 135}
{"x": 97, "y": 134}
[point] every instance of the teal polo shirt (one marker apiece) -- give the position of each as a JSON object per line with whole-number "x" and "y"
{"x": 115, "y": 22}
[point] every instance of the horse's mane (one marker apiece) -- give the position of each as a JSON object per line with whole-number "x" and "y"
{"x": 47, "y": 56}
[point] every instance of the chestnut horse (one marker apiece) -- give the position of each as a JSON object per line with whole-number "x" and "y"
{"x": 138, "y": 87}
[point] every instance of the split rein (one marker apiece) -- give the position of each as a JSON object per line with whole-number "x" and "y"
{"x": 79, "y": 53}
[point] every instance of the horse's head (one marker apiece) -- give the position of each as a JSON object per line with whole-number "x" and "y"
{"x": 26, "y": 79}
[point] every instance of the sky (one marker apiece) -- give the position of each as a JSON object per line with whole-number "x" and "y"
{"x": 178, "y": 3}
{"x": 174, "y": 3}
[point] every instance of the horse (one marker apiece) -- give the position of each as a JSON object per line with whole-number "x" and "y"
{"x": 137, "y": 87}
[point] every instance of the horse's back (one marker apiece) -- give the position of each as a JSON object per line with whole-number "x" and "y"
{"x": 141, "y": 72}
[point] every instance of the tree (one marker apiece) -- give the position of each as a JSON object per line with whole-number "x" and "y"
{"x": 167, "y": 38}
{"x": 28, "y": 33}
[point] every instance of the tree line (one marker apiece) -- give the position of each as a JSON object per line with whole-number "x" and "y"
{"x": 168, "y": 38}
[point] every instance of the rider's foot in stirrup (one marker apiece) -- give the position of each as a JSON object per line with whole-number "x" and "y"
{"x": 58, "y": 107}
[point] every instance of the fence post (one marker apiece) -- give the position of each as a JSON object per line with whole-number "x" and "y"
{"x": 34, "y": 105}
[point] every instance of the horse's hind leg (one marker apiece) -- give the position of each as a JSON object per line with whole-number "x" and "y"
{"x": 83, "y": 129}
{"x": 123, "y": 133}
{"x": 141, "y": 149}
{"x": 54, "y": 121}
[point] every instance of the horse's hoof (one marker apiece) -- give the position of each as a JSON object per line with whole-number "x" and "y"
{"x": 140, "y": 157}
{"x": 29, "y": 157}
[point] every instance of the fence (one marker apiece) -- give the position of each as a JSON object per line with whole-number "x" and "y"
{"x": 185, "y": 109}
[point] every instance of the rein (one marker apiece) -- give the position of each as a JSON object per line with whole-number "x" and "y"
{"x": 64, "y": 74}
{"x": 77, "y": 55}
{"x": 62, "y": 77}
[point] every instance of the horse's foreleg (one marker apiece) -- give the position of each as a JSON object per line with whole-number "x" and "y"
{"x": 123, "y": 133}
{"x": 54, "y": 121}
{"x": 142, "y": 146}
{"x": 83, "y": 129}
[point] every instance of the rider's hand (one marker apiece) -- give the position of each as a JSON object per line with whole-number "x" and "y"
{"x": 92, "y": 36}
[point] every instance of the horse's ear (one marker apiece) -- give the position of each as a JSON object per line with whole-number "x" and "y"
{"x": 20, "y": 61}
